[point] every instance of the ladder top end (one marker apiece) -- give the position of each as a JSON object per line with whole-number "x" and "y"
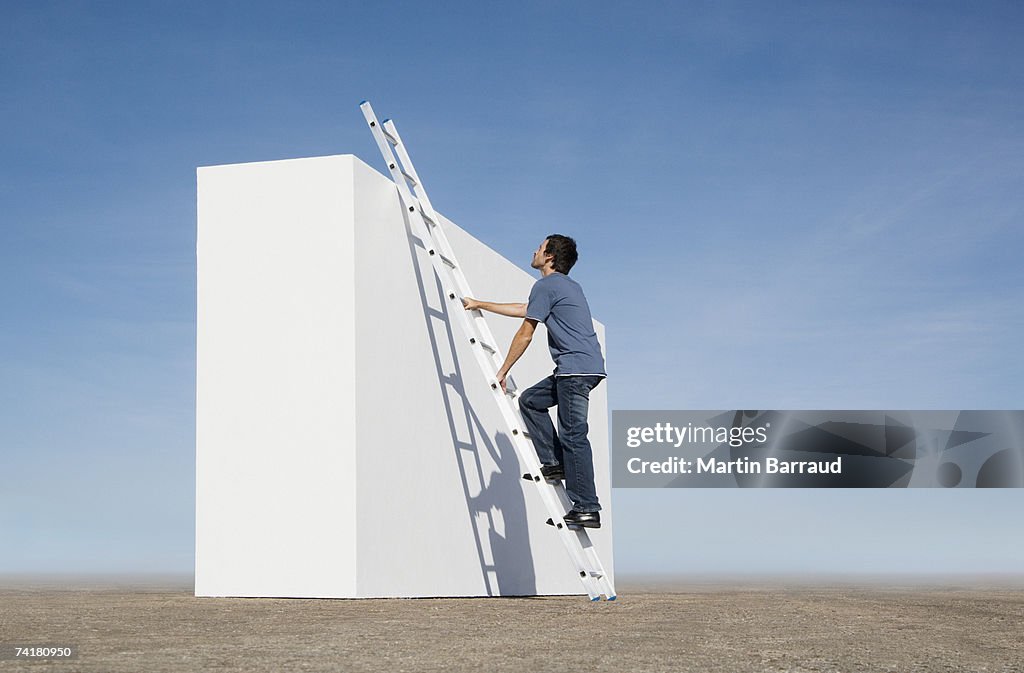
{"x": 363, "y": 102}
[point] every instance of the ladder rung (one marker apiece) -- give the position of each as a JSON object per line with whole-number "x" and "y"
{"x": 391, "y": 139}
{"x": 427, "y": 218}
{"x": 486, "y": 346}
{"x": 449, "y": 262}
{"x": 410, "y": 178}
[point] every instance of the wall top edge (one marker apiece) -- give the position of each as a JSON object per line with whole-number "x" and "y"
{"x": 280, "y": 161}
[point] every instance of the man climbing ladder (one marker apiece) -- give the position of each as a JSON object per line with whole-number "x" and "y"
{"x": 426, "y": 225}
{"x": 558, "y": 302}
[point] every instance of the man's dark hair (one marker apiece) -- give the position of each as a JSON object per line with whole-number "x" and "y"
{"x": 563, "y": 249}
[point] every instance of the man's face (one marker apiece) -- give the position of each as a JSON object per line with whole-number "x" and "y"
{"x": 540, "y": 257}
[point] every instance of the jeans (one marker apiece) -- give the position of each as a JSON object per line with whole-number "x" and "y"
{"x": 570, "y": 446}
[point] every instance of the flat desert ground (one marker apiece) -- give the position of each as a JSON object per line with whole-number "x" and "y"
{"x": 731, "y": 625}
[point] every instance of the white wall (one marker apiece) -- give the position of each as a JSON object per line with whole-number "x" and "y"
{"x": 275, "y": 360}
{"x": 416, "y": 491}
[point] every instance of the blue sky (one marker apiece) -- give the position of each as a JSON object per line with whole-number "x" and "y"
{"x": 779, "y": 206}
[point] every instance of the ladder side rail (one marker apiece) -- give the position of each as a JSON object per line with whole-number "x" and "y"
{"x": 403, "y": 154}
{"x": 471, "y": 327}
{"x": 588, "y": 575}
{"x": 440, "y": 237}
{"x": 482, "y": 331}
{"x": 397, "y": 171}
{"x": 582, "y": 555}
{"x": 603, "y": 581}
{"x": 419, "y": 202}
{"x": 411, "y": 203}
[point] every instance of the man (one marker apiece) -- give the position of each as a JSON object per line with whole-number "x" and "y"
{"x": 558, "y": 302}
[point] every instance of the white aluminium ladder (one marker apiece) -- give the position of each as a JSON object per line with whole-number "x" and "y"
{"x": 426, "y": 225}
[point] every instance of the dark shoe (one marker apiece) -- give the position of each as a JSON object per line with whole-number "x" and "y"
{"x": 553, "y": 472}
{"x": 576, "y": 519}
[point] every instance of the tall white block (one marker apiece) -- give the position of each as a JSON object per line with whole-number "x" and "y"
{"x": 346, "y": 442}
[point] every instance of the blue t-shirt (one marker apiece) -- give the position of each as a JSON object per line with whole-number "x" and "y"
{"x": 557, "y": 301}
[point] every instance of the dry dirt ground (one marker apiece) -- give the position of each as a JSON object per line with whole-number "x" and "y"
{"x": 683, "y": 625}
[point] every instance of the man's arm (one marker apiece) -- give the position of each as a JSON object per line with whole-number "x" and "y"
{"x": 511, "y": 310}
{"x": 519, "y": 343}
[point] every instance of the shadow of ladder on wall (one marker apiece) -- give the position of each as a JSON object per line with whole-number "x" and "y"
{"x": 577, "y": 542}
